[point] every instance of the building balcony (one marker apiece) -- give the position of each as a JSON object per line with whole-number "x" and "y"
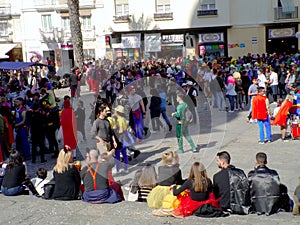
{"x": 5, "y": 11}
{"x": 44, "y": 3}
{"x": 48, "y": 36}
{"x": 122, "y": 19}
{"x": 87, "y": 34}
{"x": 279, "y": 15}
{"x": 163, "y": 16}
{"x": 5, "y": 39}
{"x": 207, "y": 12}
{"x": 47, "y": 5}
{"x": 83, "y": 4}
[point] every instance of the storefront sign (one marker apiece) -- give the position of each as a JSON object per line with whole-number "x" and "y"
{"x": 282, "y": 32}
{"x": 131, "y": 40}
{"x": 66, "y": 46}
{"x": 153, "y": 42}
{"x": 171, "y": 39}
{"x": 211, "y": 37}
{"x": 254, "y": 40}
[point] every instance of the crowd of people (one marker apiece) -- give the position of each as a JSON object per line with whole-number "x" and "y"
{"x": 31, "y": 117}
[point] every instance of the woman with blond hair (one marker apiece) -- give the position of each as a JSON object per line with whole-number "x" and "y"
{"x": 200, "y": 191}
{"x": 66, "y": 176}
{"x": 169, "y": 173}
{"x": 147, "y": 182}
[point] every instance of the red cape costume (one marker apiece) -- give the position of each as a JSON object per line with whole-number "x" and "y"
{"x": 69, "y": 125}
{"x": 280, "y": 118}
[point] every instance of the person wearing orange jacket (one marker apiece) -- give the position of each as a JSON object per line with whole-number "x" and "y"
{"x": 261, "y": 112}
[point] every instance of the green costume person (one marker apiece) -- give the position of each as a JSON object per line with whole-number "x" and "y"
{"x": 182, "y": 126}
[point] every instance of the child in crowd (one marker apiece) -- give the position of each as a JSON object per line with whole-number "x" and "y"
{"x": 120, "y": 127}
{"x": 80, "y": 116}
{"x": 147, "y": 182}
{"x": 40, "y": 180}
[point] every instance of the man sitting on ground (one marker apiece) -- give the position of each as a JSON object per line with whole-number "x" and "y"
{"x": 231, "y": 186}
{"x": 264, "y": 186}
{"x": 95, "y": 179}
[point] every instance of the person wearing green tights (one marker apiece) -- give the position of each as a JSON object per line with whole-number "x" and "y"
{"x": 182, "y": 126}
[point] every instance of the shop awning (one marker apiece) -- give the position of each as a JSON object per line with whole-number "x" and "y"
{"x": 5, "y": 48}
{"x": 18, "y": 65}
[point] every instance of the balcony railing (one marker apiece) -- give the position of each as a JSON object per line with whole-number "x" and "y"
{"x": 122, "y": 19}
{"x": 47, "y": 36}
{"x": 279, "y": 15}
{"x": 44, "y": 3}
{"x": 63, "y": 4}
{"x": 163, "y": 16}
{"x": 5, "y": 11}
{"x": 87, "y": 34}
{"x": 6, "y": 38}
{"x": 207, "y": 12}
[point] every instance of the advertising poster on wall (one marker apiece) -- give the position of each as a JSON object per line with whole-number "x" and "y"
{"x": 58, "y": 57}
{"x": 153, "y": 42}
{"x": 131, "y": 40}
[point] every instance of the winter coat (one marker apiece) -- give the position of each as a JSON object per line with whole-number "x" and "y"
{"x": 264, "y": 189}
{"x": 239, "y": 191}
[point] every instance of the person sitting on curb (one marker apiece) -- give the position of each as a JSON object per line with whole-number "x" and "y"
{"x": 231, "y": 185}
{"x": 296, "y": 209}
{"x": 264, "y": 186}
{"x": 95, "y": 179}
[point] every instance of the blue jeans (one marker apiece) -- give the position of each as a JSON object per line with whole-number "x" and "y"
{"x": 250, "y": 108}
{"x": 231, "y": 101}
{"x": 18, "y": 190}
{"x": 118, "y": 152}
{"x": 138, "y": 124}
{"x": 164, "y": 115}
{"x": 264, "y": 124}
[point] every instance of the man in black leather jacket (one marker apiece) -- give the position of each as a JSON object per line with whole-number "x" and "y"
{"x": 264, "y": 186}
{"x": 231, "y": 186}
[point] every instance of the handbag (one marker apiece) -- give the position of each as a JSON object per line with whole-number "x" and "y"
{"x": 49, "y": 190}
{"x": 59, "y": 134}
{"x": 132, "y": 197}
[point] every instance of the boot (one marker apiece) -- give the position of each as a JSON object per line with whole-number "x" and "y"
{"x": 31, "y": 187}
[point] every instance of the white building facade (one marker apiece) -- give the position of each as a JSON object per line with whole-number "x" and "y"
{"x": 159, "y": 28}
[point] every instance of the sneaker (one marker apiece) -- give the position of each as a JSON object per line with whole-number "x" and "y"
{"x": 230, "y": 111}
{"x": 170, "y": 128}
{"x": 269, "y": 141}
{"x": 284, "y": 140}
{"x": 261, "y": 142}
{"x": 194, "y": 150}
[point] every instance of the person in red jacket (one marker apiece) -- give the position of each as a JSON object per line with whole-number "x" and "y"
{"x": 261, "y": 112}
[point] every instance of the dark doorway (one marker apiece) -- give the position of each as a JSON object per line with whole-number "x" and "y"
{"x": 282, "y": 45}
